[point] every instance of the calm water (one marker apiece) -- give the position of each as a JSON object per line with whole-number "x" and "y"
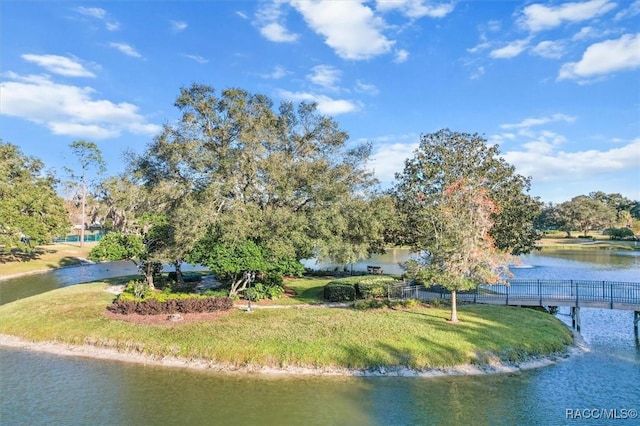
{"x": 43, "y": 389}
{"x": 30, "y": 285}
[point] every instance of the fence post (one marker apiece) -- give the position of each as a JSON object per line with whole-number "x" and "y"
{"x": 475, "y": 296}
{"x": 611, "y": 295}
{"x": 540, "y": 292}
{"x": 507, "y": 294}
{"x": 577, "y": 298}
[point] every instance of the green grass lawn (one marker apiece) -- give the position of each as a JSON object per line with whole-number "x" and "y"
{"x": 42, "y": 258}
{"x": 418, "y": 338}
{"x": 559, "y": 242}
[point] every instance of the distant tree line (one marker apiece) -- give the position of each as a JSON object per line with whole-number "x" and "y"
{"x": 612, "y": 214}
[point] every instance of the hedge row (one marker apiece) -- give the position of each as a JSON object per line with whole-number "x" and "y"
{"x": 171, "y": 306}
{"x": 361, "y": 287}
{"x": 337, "y": 292}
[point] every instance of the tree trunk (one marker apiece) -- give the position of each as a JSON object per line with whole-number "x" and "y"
{"x": 148, "y": 274}
{"x": 178, "y": 267}
{"x": 454, "y": 308}
{"x": 84, "y": 214}
{"x": 239, "y": 284}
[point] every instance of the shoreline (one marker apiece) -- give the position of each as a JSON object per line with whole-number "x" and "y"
{"x": 81, "y": 262}
{"x": 109, "y": 354}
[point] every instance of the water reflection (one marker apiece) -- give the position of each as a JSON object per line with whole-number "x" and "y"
{"x": 30, "y": 285}
{"x": 77, "y": 391}
{"x": 38, "y": 388}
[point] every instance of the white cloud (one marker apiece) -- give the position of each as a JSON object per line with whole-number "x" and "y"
{"x": 89, "y": 131}
{"x": 538, "y": 121}
{"x": 401, "y": 56}
{"x": 277, "y": 73}
{"x": 389, "y": 159}
{"x": 586, "y": 33}
{"x": 70, "y": 110}
{"x": 604, "y": 58}
{"x": 630, "y": 12}
{"x": 484, "y": 45}
{"x": 242, "y": 14}
{"x": 326, "y": 105}
{"x": 350, "y": 28}
{"x": 199, "y": 59}
{"x": 511, "y": 50}
{"x": 94, "y": 12}
{"x": 479, "y": 72}
{"x": 269, "y": 18}
{"x": 101, "y": 15}
{"x": 549, "y": 49}
{"x": 560, "y": 166}
{"x": 59, "y": 65}
{"x": 126, "y": 49}
{"x": 369, "y": 89}
{"x": 537, "y": 17}
{"x": 416, "y": 8}
{"x": 277, "y": 33}
{"x": 177, "y": 26}
{"x": 325, "y": 76}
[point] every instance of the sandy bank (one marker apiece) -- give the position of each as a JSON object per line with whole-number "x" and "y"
{"x": 89, "y": 351}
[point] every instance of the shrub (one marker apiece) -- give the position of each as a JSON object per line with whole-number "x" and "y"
{"x": 271, "y": 279}
{"x": 184, "y": 304}
{"x": 216, "y": 293}
{"x": 367, "y": 286}
{"x": 262, "y": 291}
{"x": 138, "y": 288}
{"x": 125, "y": 307}
{"x": 150, "y": 307}
{"x": 370, "y": 304}
{"x": 337, "y": 292}
{"x": 412, "y": 303}
{"x": 275, "y": 292}
{"x": 435, "y": 302}
{"x": 255, "y": 293}
{"x": 618, "y": 233}
{"x": 373, "y": 288}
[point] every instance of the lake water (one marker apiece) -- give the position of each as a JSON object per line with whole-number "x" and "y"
{"x": 38, "y": 388}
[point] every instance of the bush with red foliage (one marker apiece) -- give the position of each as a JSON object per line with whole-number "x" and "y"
{"x": 151, "y": 306}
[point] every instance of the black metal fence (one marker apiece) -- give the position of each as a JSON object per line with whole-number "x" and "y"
{"x": 610, "y": 294}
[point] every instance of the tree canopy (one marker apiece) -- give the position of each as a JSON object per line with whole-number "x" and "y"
{"x": 30, "y": 209}
{"x": 584, "y": 214}
{"x": 237, "y": 168}
{"x": 444, "y": 158}
{"x": 465, "y": 209}
{"x": 459, "y": 251}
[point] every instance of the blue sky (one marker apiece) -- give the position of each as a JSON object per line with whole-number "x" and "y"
{"x": 555, "y": 84}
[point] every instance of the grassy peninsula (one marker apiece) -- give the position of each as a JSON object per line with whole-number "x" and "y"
{"x": 418, "y": 338}
{"x": 42, "y": 258}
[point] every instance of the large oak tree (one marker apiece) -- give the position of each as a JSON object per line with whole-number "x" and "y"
{"x": 442, "y": 216}
{"x": 237, "y": 168}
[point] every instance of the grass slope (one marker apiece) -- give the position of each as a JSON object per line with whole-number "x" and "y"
{"x": 42, "y": 258}
{"x": 418, "y": 338}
